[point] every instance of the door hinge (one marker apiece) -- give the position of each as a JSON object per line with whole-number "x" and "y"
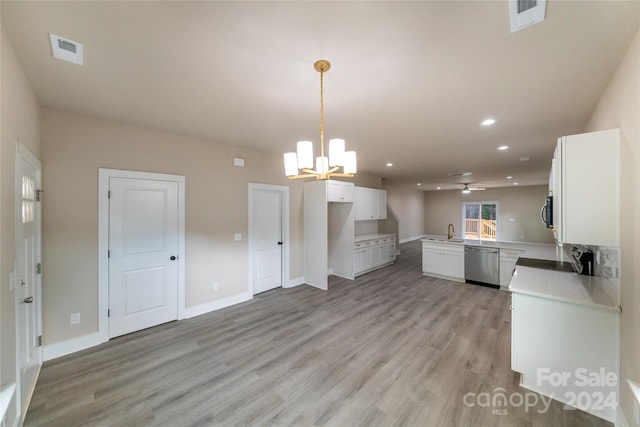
{"x": 39, "y": 195}
{"x": 39, "y": 340}
{"x": 108, "y": 194}
{"x": 38, "y": 268}
{"x": 108, "y": 312}
{"x": 108, "y": 253}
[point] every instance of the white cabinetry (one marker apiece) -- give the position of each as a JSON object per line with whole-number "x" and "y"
{"x": 373, "y": 253}
{"x": 323, "y": 244}
{"x": 338, "y": 191}
{"x": 508, "y": 259}
{"x": 552, "y": 338}
{"x": 370, "y": 203}
{"x": 443, "y": 260}
{"x": 586, "y": 188}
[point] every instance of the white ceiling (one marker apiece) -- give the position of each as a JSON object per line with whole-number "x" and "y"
{"x": 410, "y": 81}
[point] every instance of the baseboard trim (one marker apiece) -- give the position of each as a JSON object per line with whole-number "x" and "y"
{"x": 53, "y": 351}
{"x": 216, "y": 305}
{"x": 412, "y": 238}
{"x": 294, "y": 282}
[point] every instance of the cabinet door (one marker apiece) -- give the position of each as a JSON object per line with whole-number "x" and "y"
{"x": 357, "y": 261}
{"x": 591, "y": 188}
{"x": 453, "y": 264}
{"x": 507, "y": 266}
{"x": 516, "y": 332}
{"x": 381, "y": 204}
{"x": 392, "y": 250}
{"x": 334, "y": 190}
{"x": 367, "y": 258}
{"x": 338, "y": 191}
{"x": 375, "y": 256}
{"x": 361, "y": 203}
{"x": 431, "y": 261}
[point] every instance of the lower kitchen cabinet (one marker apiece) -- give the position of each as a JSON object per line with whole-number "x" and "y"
{"x": 567, "y": 351}
{"x": 444, "y": 260}
{"x": 371, "y": 254}
{"x": 508, "y": 259}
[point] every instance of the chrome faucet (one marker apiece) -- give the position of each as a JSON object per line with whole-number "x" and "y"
{"x": 450, "y": 231}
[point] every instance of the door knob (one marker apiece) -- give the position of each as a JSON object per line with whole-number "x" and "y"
{"x": 28, "y": 300}
{"x": 173, "y": 258}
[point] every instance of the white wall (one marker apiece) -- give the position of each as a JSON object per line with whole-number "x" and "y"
{"x": 408, "y": 205}
{"x": 619, "y": 107}
{"x": 20, "y": 117}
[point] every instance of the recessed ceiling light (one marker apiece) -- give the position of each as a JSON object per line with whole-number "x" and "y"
{"x": 503, "y": 147}
{"x": 524, "y": 158}
{"x": 389, "y": 164}
{"x": 488, "y": 122}
{"x": 509, "y": 177}
{"x": 437, "y": 188}
{"x": 419, "y": 183}
{"x": 515, "y": 183}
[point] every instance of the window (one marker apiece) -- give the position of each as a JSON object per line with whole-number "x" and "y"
{"x": 28, "y": 199}
{"x": 480, "y": 220}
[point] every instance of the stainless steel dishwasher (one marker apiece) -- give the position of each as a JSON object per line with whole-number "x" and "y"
{"x": 482, "y": 265}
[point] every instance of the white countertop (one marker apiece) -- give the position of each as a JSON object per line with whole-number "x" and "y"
{"x": 364, "y": 237}
{"x": 531, "y": 250}
{"x": 565, "y": 286}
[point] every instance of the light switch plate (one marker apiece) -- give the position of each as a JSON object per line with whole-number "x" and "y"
{"x": 237, "y": 237}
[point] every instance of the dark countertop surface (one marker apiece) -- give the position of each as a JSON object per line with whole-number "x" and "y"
{"x": 545, "y": 264}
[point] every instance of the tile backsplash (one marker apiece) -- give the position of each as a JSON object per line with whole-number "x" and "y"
{"x": 606, "y": 261}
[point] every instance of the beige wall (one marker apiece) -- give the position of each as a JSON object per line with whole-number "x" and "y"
{"x": 519, "y": 212}
{"x": 74, "y": 147}
{"x": 619, "y": 106}
{"x": 408, "y": 205}
{"x": 20, "y": 119}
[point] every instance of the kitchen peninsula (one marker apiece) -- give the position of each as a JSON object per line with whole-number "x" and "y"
{"x": 445, "y": 258}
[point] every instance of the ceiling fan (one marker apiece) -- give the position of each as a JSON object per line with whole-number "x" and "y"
{"x": 467, "y": 189}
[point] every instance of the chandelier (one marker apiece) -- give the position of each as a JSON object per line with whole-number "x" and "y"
{"x": 326, "y": 167}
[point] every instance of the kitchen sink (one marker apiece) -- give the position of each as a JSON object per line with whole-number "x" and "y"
{"x": 443, "y": 239}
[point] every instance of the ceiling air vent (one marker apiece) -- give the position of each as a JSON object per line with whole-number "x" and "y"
{"x": 524, "y": 13}
{"x": 66, "y": 49}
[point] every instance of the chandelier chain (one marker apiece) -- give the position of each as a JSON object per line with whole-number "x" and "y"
{"x": 322, "y": 113}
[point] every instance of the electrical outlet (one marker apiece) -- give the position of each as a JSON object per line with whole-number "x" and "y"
{"x": 74, "y": 319}
{"x": 237, "y": 237}
{"x": 216, "y": 286}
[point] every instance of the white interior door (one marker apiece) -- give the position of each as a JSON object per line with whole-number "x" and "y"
{"x": 143, "y": 253}
{"x": 267, "y": 240}
{"x": 28, "y": 301}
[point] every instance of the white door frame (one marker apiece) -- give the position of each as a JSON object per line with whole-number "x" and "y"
{"x": 103, "y": 240}
{"x": 22, "y": 152}
{"x": 284, "y": 190}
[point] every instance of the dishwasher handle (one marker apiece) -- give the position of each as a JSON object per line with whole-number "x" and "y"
{"x": 486, "y": 250}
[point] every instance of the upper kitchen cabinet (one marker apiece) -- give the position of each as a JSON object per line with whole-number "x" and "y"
{"x": 339, "y": 191}
{"x": 370, "y": 204}
{"x": 586, "y": 189}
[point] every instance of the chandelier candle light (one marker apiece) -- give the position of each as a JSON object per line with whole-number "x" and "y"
{"x": 326, "y": 167}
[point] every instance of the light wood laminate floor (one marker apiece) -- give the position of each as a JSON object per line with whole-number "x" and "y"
{"x": 391, "y": 348}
